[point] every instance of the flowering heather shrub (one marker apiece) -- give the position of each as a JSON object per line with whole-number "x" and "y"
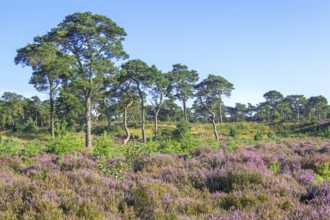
{"x": 233, "y": 177}
{"x": 204, "y": 184}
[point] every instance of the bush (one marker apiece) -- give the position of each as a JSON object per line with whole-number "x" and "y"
{"x": 114, "y": 167}
{"x": 30, "y": 126}
{"x": 183, "y": 135}
{"x": 234, "y": 178}
{"x": 232, "y": 132}
{"x": 271, "y": 135}
{"x": 326, "y": 132}
{"x": 61, "y": 128}
{"x": 182, "y": 130}
{"x": 11, "y": 146}
{"x": 32, "y": 148}
{"x": 67, "y": 143}
{"x": 104, "y": 145}
{"x": 258, "y": 136}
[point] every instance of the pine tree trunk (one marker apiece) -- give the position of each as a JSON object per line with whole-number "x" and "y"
{"x": 51, "y": 112}
{"x": 185, "y": 110}
{"x": 88, "y": 122}
{"x": 156, "y": 122}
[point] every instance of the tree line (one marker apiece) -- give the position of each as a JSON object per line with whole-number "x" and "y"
{"x": 76, "y": 64}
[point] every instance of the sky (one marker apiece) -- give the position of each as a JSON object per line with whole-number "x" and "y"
{"x": 258, "y": 45}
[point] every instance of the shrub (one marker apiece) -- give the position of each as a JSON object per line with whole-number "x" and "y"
{"x": 67, "y": 143}
{"x": 183, "y": 129}
{"x": 232, "y": 132}
{"x": 61, "y": 128}
{"x": 114, "y": 167}
{"x": 326, "y": 132}
{"x": 30, "y": 126}
{"x": 236, "y": 177}
{"x": 258, "y": 136}
{"x": 274, "y": 167}
{"x": 183, "y": 135}
{"x": 104, "y": 145}
{"x": 11, "y": 146}
{"x": 271, "y": 135}
{"x": 32, "y": 148}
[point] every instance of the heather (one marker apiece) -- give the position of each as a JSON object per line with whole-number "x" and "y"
{"x": 274, "y": 179}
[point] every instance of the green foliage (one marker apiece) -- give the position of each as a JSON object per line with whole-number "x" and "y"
{"x": 271, "y": 135}
{"x": 11, "y": 146}
{"x": 258, "y": 136}
{"x": 114, "y": 168}
{"x": 325, "y": 172}
{"x": 274, "y": 167}
{"x": 238, "y": 201}
{"x": 136, "y": 150}
{"x": 182, "y": 130}
{"x": 32, "y": 148}
{"x": 113, "y": 129}
{"x": 104, "y": 145}
{"x": 232, "y": 132}
{"x": 67, "y": 143}
{"x": 30, "y": 126}
{"x": 116, "y": 129}
{"x": 170, "y": 146}
{"x": 326, "y": 132}
{"x": 184, "y": 136}
{"x": 61, "y": 128}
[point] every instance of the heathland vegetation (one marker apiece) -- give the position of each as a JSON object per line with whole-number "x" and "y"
{"x": 111, "y": 142}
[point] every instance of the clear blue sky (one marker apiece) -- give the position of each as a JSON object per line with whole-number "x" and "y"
{"x": 258, "y": 45}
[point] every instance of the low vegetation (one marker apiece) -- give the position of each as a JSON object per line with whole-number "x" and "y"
{"x": 187, "y": 175}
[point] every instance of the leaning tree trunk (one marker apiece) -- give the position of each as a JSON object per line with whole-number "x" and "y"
{"x": 214, "y": 127}
{"x": 128, "y": 135}
{"x": 213, "y": 120}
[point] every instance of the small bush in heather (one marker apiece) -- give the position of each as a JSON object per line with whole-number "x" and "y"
{"x": 232, "y": 178}
{"x": 317, "y": 193}
{"x": 258, "y": 136}
{"x": 274, "y": 167}
{"x": 271, "y": 135}
{"x": 32, "y": 148}
{"x": 182, "y": 130}
{"x": 239, "y": 200}
{"x": 169, "y": 146}
{"x": 11, "y": 146}
{"x": 184, "y": 136}
{"x": 325, "y": 171}
{"x": 154, "y": 201}
{"x": 114, "y": 167}
{"x": 67, "y": 143}
{"x": 232, "y": 132}
{"x": 104, "y": 145}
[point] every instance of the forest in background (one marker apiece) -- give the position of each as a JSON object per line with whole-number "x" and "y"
{"x": 75, "y": 64}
